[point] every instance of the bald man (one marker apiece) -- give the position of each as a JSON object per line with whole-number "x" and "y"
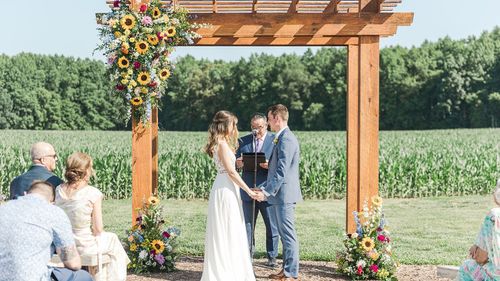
{"x": 43, "y": 158}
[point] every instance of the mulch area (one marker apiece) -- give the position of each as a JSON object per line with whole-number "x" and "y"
{"x": 189, "y": 269}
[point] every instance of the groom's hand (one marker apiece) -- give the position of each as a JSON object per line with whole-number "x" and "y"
{"x": 260, "y": 196}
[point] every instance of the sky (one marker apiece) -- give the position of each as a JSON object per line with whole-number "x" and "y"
{"x": 68, "y": 27}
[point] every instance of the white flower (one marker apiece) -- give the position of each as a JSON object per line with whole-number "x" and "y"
{"x": 169, "y": 248}
{"x": 361, "y": 263}
{"x": 354, "y": 235}
{"x": 143, "y": 255}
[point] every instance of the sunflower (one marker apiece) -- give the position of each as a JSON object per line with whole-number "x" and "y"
{"x": 133, "y": 247}
{"x": 127, "y": 22}
{"x": 377, "y": 201}
{"x": 123, "y": 62}
{"x": 153, "y": 200}
{"x": 153, "y": 39}
{"x": 156, "y": 13}
{"x": 164, "y": 74}
{"x": 136, "y": 101}
{"x": 141, "y": 47}
{"x": 170, "y": 31}
{"x": 143, "y": 78}
{"x": 367, "y": 244}
{"x": 158, "y": 246}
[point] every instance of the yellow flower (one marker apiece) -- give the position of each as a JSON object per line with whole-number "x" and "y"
{"x": 367, "y": 244}
{"x": 131, "y": 238}
{"x": 382, "y": 273}
{"x": 164, "y": 74}
{"x": 153, "y": 200}
{"x": 127, "y": 32}
{"x": 158, "y": 246}
{"x": 141, "y": 47}
{"x": 124, "y": 81}
{"x": 377, "y": 201}
{"x": 133, "y": 247}
{"x": 143, "y": 78}
{"x": 144, "y": 90}
{"x": 165, "y": 18}
{"x": 136, "y": 101}
{"x": 170, "y": 31}
{"x": 133, "y": 83}
{"x": 156, "y": 13}
{"x": 123, "y": 62}
{"x": 132, "y": 40}
{"x": 117, "y": 34}
{"x": 153, "y": 39}
{"x": 144, "y": 244}
{"x": 127, "y": 22}
{"x": 373, "y": 255}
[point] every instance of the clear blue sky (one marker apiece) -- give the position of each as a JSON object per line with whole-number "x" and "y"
{"x": 68, "y": 27}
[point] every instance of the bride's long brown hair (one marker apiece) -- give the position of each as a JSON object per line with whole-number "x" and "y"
{"x": 221, "y": 124}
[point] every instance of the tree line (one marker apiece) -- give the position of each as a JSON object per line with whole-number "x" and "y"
{"x": 443, "y": 84}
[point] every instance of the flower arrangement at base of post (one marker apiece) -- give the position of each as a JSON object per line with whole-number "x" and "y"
{"x": 137, "y": 42}
{"x": 150, "y": 246}
{"x": 367, "y": 253}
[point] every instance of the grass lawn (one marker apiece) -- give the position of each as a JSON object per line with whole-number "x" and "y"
{"x": 424, "y": 231}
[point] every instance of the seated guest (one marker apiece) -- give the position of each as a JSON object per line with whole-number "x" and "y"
{"x": 43, "y": 158}
{"x": 485, "y": 253}
{"x": 82, "y": 203}
{"x": 29, "y": 228}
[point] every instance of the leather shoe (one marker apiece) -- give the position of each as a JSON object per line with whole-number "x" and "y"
{"x": 271, "y": 262}
{"x": 278, "y": 276}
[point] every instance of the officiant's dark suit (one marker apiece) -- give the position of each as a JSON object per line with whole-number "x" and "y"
{"x": 246, "y": 144}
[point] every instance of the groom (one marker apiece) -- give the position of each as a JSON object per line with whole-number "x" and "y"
{"x": 282, "y": 189}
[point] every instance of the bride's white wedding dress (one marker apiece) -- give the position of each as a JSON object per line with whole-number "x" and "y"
{"x": 227, "y": 257}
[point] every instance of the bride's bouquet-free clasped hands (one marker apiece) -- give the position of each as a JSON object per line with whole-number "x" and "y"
{"x": 367, "y": 252}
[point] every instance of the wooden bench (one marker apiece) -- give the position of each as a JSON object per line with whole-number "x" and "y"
{"x": 445, "y": 271}
{"x": 89, "y": 262}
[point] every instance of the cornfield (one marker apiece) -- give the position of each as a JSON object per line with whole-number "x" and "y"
{"x": 412, "y": 163}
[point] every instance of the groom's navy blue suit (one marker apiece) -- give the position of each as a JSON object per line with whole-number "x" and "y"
{"x": 246, "y": 145}
{"x": 282, "y": 189}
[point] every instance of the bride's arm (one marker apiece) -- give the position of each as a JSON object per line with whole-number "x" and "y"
{"x": 97, "y": 225}
{"x": 223, "y": 153}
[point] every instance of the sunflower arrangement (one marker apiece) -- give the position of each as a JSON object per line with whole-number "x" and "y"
{"x": 137, "y": 42}
{"x": 150, "y": 246}
{"x": 367, "y": 253}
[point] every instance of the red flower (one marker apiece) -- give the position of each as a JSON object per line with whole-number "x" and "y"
{"x": 143, "y": 8}
{"x": 137, "y": 64}
{"x": 116, "y": 4}
{"x": 374, "y": 268}
{"x": 379, "y": 229}
{"x": 387, "y": 239}
{"x": 158, "y": 34}
{"x": 120, "y": 87}
{"x": 166, "y": 234}
{"x": 153, "y": 84}
{"x": 381, "y": 238}
{"x": 360, "y": 270}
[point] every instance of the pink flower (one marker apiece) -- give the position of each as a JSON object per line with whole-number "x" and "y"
{"x": 143, "y": 8}
{"x": 137, "y": 64}
{"x": 360, "y": 270}
{"x": 166, "y": 234}
{"x": 116, "y": 4}
{"x": 381, "y": 238}
{"x": 147, "y": 20}
{"x": 111, "y": 59}
{"x": 374, "y": 268}
{"x": 160, "y": 259}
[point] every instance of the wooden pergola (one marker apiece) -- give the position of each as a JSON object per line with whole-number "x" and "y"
{"x": 355, "y": 24}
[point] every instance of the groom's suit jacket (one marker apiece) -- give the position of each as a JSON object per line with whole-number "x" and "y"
{"x": 283, "y": 183}
{"x": 246, "y": 145}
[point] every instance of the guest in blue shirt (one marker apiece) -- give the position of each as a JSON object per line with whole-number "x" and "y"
{"x": 43, "y": 157}
{"x": 30, "y": 228}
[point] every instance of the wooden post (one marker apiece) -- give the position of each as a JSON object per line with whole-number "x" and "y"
{"x": 154, "y": 125}
{"x": 142, "y": 164}
{"x": 362, "y": 125}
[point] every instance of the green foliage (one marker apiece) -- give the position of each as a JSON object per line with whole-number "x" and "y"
{"x": 412, "y": 163}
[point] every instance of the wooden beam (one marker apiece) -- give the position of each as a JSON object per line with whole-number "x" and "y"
{"x": 272, "y": 41}
{"x": 369, "y": 6}
{"x": 293, "y": 6}
{"x": 302, "y": 25}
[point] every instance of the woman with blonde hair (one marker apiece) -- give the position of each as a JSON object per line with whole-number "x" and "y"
{"x": 226, "y": 244}
{"x": 83, "y": 205}
{"x": 484, "y": 262}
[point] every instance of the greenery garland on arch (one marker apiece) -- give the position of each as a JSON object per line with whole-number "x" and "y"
{"x": 137, "y": 42}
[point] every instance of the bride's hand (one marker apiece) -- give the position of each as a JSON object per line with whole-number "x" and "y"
{"x": 252, "y": 194}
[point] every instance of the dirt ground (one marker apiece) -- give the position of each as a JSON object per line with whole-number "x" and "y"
{"x": 189, "y": 269}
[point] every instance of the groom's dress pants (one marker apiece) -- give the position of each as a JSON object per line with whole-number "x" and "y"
{"x": 284, "y": 216}
{"x": 272, "y": 237}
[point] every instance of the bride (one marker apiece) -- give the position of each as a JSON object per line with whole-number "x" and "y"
{"x": 226, "y": 245}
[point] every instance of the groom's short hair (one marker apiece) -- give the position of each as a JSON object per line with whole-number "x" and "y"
{"x": 279, "y": 109}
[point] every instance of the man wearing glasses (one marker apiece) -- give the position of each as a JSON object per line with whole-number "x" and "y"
{"x": 43, "y": 158}
{"x": 259, "y": 141}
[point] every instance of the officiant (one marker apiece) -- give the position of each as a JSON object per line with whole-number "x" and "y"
{"x": 260, "y": 140}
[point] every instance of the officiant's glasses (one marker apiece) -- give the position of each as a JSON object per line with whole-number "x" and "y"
{"x": 53, "y": 156}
